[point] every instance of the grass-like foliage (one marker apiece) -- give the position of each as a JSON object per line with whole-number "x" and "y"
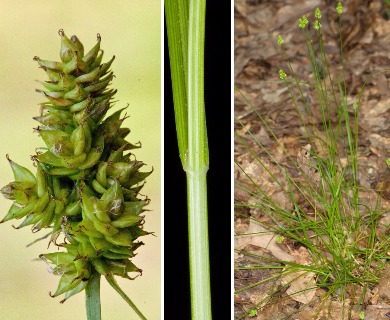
{"x": 317, "y": 213}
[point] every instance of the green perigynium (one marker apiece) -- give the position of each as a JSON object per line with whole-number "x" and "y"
{"x": 86, "y": 188}
{"x": 317, "y": 25}
{"x": 252, "y": 313}
{"x": 303, "y": 22}
{"x": 280, "y": 40}
{"x": 317, "y": 13}
{"x": 339, "y": 8}
{"x": 282, "y": 75}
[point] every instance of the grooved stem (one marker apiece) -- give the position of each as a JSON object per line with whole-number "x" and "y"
{"x": 186, "y": 35}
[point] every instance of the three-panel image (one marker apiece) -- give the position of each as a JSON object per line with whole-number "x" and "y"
{"x": 195, "y": 160}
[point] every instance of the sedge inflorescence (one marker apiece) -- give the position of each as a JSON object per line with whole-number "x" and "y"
{"x": 303, "y": 23}
{"x": 339, "y": 8}
{"x": 280, "y": 40}
{"x": 87, "y": 186}
{"x": 282, "y": 75}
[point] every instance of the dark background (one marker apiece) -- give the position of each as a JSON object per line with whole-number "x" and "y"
{"x": 218, "y": 117}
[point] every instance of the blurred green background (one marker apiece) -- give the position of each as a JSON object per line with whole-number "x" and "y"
{"x": 130, "y": 30}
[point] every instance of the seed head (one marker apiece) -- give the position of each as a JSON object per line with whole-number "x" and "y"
{"x": 339, "y": 8}
{"x": 253, "y": 313}
{"x": 317, "y": 13}
{"x": 303, "y": 22}
{"x": 282, "y": 75}
{"x": 317, "y": 25}
{"x": 85, "y": 174}
{"x": 280, "y": 40}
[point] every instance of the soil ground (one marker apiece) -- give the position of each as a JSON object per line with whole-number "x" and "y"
{"x": 258, "y": 58}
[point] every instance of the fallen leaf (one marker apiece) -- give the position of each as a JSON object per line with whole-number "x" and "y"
{"x": 259, "y": 236}
{"x": 377, "y": 312}
{"x": 302, "y": 285}
{"x": 379, "y": 142}
{"x": 384, "y": 283}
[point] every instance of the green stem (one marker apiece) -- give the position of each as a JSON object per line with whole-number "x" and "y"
{"x": 196, "y": 166}
{"x": 186, "y": 33}
{"x": 92, "y": 298}
{"x": 111, "y": 280}
{"x": 197, "y": 134}
{"x": 198, "y": 245}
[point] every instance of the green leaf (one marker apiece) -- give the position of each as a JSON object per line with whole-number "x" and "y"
{"x": 176, "y": 14}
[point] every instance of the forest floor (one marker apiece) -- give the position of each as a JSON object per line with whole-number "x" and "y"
{"x": 258, "y": 58}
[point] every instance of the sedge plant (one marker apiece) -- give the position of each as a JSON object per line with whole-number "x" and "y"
{"x": 326, "y": 211}
{"x": 186, "y": 30}
{"x": 86, "y": 191}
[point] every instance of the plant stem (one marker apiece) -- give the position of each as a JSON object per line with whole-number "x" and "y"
{"x": 196, "y": 166}
{"x": 186, "y": 51}
{"x": 111, "y": 280}
{"x": 198, "y": 245}
{"x": 92, "y": 298}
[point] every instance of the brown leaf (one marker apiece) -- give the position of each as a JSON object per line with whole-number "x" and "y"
{"x": 259, "y": 236}
{"x": 302, "y": 285}
{"x": 384, "y": 283}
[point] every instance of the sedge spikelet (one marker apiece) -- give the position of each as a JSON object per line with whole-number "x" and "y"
{"x": 87, "y": 186}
